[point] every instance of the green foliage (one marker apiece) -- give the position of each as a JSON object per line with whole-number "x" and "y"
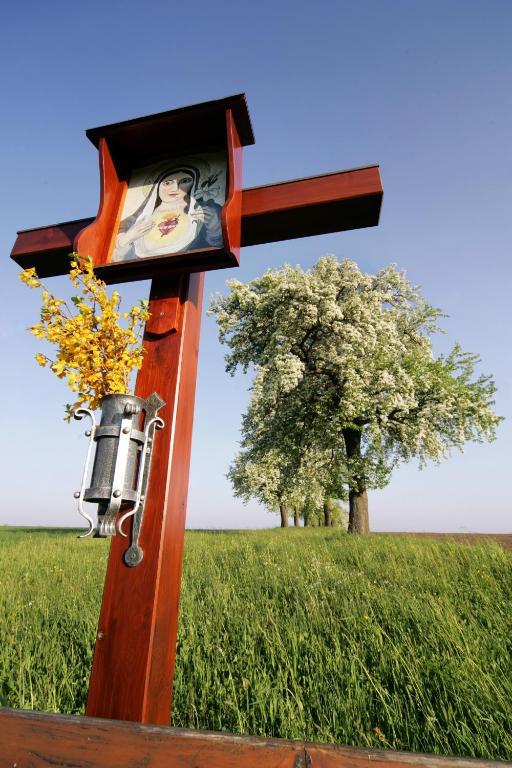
{"x": 339, "y": 515}
{"x": 382, "y": 642}
{"x": 346, "y": 384}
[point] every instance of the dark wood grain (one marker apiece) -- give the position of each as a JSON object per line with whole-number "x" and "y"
{"x": 133, "y": 663}
{"x": 195, "y": 128}
{"x": 331, "y": 203}
{"x": 35, "y": 740}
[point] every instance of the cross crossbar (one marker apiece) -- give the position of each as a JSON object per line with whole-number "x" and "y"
{"x": 333, "y": 202}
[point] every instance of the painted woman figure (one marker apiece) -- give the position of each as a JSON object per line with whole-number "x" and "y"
{"x": 170, "y": 219}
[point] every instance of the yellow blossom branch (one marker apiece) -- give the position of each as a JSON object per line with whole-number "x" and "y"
{"x": 95, "y": 354}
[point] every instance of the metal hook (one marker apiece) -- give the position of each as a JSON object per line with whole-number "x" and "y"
{"x": 79, "y": 495}
{"x": 154, "y": 423}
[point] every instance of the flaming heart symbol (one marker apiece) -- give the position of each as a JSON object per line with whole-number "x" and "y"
{"x": 167, "y": 225}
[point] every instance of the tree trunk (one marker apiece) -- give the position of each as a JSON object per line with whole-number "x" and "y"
{"x": 327, "y": 515}
{"x": 306, "y": 519}
{"x": 358, "y": 521}
{"x": 358, "y": 512}
{"x": 296, "y": 519}
{"x": 284, "y": 516}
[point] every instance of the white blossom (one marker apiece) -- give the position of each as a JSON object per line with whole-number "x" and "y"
{"x": 341, "y": 356}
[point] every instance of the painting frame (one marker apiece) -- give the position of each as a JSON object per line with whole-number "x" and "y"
{"x": 208, "y": 130}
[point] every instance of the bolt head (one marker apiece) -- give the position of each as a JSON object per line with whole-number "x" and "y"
{"x": 88, "y": 433}
{"x": 131, "y": 409}
{"x": 76, "y": 494}
{"x": 126, "y": 430}
{"x": 116, "y": 493}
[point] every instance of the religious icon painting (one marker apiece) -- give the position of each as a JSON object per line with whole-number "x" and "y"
{"x": 172, "y": 207}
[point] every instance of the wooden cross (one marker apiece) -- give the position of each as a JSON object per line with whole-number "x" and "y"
{"x": 133, "y": 665}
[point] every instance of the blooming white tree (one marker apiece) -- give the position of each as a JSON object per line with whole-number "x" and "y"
{"x": 346, "y": 385}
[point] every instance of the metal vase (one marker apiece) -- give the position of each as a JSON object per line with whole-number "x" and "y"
{"x": 122, "y": 462}
{"x": 115, "y": 409}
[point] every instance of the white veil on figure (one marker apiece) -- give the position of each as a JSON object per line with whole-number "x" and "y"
{"x": 188, "y": 229}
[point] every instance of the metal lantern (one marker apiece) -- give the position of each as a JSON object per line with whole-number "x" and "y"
{"x": 120, "y": 473}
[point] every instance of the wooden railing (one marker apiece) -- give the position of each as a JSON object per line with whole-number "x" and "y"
{"x": 36, "y": 740}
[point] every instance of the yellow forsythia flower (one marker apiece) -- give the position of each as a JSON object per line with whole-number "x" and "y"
{"x": 93, "y": 352}
{"x": 29, "y": 277}
{"x": 41, "y": 359}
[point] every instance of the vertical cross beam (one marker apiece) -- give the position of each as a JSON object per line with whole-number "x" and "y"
{"x": 133, "y": 664}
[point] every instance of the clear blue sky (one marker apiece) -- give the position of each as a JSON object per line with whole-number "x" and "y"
{"x": 422, "y": 88}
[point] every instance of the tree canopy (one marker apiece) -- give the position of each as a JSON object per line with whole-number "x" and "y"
{"x": 346, "y": 385}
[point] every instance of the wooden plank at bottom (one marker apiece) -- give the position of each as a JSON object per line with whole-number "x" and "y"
{"x": 40, "y": 740}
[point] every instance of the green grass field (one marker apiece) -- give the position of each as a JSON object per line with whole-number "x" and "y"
{"x": 384, "y": 642}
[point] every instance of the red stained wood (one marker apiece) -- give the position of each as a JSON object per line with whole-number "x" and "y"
{"x": 133, "y": 663}
{"x": 48, "y": 248}
{"x": 96, "y": 240}
{"x": 194, "y": 128}
{"x": 331, "y": 203}
{"x": 123, "y": 147}
{"x": 34, "y": 740}
{"x": 191, "y": 261}
{"x": 232, "y": 209}
{"x": 164, "y": 316}
{"x": 163, "y": 266}
{"x": 312, "y": 206}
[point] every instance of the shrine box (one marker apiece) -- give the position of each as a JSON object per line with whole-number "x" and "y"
{"x": 170, "y": 192}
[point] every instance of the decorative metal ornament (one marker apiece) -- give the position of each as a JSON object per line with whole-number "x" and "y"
{"x": 122, "y": 464}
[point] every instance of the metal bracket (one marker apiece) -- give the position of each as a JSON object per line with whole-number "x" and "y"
{"x": 118, "y": 490}
{"x": 90, "y": 433}
{"x": 107, "y": 524}
{"x": 134, "y": 554}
